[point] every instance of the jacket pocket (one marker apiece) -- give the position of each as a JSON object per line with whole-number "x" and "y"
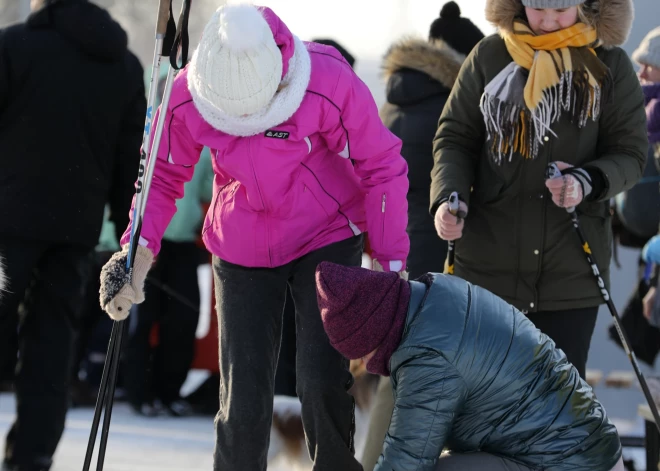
{"x": 313, "y": 187}
{"x": 217, "y": 197}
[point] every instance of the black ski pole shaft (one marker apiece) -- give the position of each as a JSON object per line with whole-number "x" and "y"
{"x": 165, "y": 35}
{"x": 554, "y": 172}
{"x": 454, "y": 206}
{"x": 167, "y": 289}
{"x": 100, "y": 398}
{"x": 110, "y": 394}
{"x": 625, "y": 342}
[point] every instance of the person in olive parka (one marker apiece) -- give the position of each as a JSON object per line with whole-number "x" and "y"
{"x": 552, "y": 86}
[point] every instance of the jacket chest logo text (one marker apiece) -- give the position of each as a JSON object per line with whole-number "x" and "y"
{"x": 277, "y": 134}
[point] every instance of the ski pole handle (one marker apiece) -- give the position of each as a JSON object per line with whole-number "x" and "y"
{"x": 551, "y": 172}
{"x": 163, "y": 16}
{"x": 454, "y": 208}
{"x": 453, "y": 203}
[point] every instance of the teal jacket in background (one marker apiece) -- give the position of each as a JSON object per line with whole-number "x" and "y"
{"x": 472, "y": 373}
{"x": 108, "y": 239}
{"x": 186, "y": 225}
{"x": 187, "y": 222}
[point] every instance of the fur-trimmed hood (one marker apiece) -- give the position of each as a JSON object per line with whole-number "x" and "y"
{"x": 612, "y": 18}
{"x": 416, "y": 69}
{"x": 436, "y": 59}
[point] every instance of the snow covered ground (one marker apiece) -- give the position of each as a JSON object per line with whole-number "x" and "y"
{"x": 135, "y": 443}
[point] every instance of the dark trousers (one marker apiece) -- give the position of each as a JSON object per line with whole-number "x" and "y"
{"x": 250, "y": 302}
{"x": 428, "y": 252}
{"x": 47, "y": 281}
{"x": 160, "y": 374}
{"x": 95, "y": 327}
{"x": 571, "y": 330}
{"x": 285, "y": 375}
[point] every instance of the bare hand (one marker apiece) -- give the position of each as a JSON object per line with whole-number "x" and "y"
{"x": 648, "y": 302}
{"x": 448, "y": 226}
{"x": 566, "y": 190}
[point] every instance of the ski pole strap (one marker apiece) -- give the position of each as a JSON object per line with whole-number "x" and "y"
{"x": 170, "y": 29}
{"x": 552, "y": 171}
{"x": 181, "y": 40}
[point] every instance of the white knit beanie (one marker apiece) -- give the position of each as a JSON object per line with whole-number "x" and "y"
{"x": 237, "y": 66}
{"x": 648, "y": 52}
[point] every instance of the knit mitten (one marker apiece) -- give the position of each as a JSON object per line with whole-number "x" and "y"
{"x": 119, "y": 291}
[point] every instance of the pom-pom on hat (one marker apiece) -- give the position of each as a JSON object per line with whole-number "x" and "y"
{"x": 458, "y": 32}
{"x": 237, "y": 66}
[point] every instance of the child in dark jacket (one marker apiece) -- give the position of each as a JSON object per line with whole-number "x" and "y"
{"x": 470, "y": 373}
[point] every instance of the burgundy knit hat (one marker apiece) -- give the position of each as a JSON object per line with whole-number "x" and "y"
{"x": 359, "y": 307}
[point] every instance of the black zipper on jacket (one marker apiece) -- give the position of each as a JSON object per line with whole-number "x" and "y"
{"x": 518, "y": 227}
{"x": 544, "y": 208}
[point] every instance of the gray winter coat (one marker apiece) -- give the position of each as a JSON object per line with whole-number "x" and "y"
{"x": 473, "y": 374}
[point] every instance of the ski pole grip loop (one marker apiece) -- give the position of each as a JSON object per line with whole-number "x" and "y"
{"x": 552, "y": 171}
{"x": 181, "y": 40}
{"x": 168, "y": 40}
{"x": 164, "y": 7}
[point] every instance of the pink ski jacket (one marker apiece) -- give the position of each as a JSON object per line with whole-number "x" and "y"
{"x": 315, "y": 167}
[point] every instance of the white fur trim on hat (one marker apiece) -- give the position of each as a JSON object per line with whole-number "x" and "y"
{"x": 237, "y": 65}
{"x": 282, "y": 106}
{"x": 648, "y": 52}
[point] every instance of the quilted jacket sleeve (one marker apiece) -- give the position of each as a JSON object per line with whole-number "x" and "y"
{"x": 429, "y": 393}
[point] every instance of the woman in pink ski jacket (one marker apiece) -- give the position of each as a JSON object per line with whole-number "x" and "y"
{"x": 303, "y": 168}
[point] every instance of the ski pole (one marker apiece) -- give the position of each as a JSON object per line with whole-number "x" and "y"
{"x": 108, "y": 377}
{"x": 167, "y": 289}
{"x": 109, "y": 395}
{"x": 454, "y": 206}
{"x": 554, "y": 172}
{"x": 171, "y": 40}
{"x": 100, "y": 399}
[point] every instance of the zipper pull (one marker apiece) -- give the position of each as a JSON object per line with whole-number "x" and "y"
{"x": 383, "y": 206}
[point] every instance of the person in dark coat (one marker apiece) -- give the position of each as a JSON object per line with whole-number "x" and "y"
{"x": 470, "y": 373}
{"x": 72, "y": 110}
{"x": 420, "y": 75}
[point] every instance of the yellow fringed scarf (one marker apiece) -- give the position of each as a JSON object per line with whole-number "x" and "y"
{"x": 560, "y": 72}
